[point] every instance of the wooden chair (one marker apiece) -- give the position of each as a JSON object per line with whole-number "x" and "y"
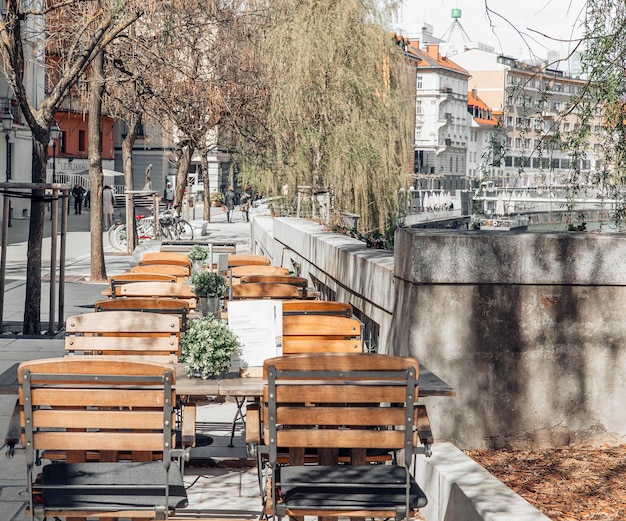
{"x": 262, "y": 290}
{"x": 168, "y": 306}
{"x": 300, "y": 282}
{"x": 125, "y": 278}
{"x": 317, "y": 307}
{"x": 125, "y": 334}
{"x": 180, "y": 272}
{"x": 102, "y": 407}
{"x": 246, "y": 271}
{"x": 332, "y": 402}
{"x": 165, "y": 257}
{"x": 158, "y": 289}
{"x": 321, "y": 333}
{"x": 247, "y": 260}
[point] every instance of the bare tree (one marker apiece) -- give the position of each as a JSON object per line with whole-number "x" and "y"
{"x": 73, "y": 33}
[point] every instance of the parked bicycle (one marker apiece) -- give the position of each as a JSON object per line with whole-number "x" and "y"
{"x": 171, "y": 224}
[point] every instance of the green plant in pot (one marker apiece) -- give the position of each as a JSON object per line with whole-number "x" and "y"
{"x": 217, "y": 198}
{"x": 207, "y": 347}
{"x": 209, "y": 287}
{"x": 197, "y": 255}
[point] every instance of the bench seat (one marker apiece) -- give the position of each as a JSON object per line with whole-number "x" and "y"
{"x": 340, "y": 488}
{"x": 139, "y": 486}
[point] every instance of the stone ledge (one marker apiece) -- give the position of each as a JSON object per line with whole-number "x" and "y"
{"x": 460, "y": 489}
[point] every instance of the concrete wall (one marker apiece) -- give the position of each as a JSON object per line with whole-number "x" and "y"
{"x": 528, "y": 327}
{"x": 353, "y": 272}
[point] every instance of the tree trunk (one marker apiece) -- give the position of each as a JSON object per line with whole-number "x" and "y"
{"x": 184, "y": 160}
{"x": 96, "y": 91}
{"x": 129, "y": 184}
{"x": 32, "y": 305}
{"x": 204, "y": 172}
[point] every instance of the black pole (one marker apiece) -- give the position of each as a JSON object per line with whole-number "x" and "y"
{"x": 8, "y": 172}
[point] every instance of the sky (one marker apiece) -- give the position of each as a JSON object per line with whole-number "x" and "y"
{"x": 555, "y": 18}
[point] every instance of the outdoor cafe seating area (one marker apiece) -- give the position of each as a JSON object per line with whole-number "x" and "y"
{"x": 332, "y": 428}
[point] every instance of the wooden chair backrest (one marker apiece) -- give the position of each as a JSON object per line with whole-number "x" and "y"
{"x": 158, "y": 289}
{"x": 124, "y": 334}
{"x": 260, "y": 291}
{"x": 247, "y": 260}
{"x": 180, "y": 272}
{"x": 301, "y": 282}
{"x": 165, "y": 257}
{"x": 321, "y": 333}
{"x": 246, "y": 271}
{"x": 168, "y": 306}
{"x": 69, "y": 409}
{"x": 337, "y": 400}
{"x": 317, "y": 307}
{"x": 142, "y": 277}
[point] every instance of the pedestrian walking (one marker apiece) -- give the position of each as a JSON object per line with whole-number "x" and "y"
{"x": 244, "y": 203}
{"x": 168, "y": 195}
{"x": 78, "y": 192}
{"x": 108, "y": 205}
{"x": 229, "y": 202}
{"x": 87, "y": 199}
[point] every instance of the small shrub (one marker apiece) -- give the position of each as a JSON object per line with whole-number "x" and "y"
{"x": 207, "y": 347}
{"x": 198, "y": 252}
{"x": 207, "y": 284}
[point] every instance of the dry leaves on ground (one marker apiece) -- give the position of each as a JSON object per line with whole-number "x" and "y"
{"x": 565, "y": 484}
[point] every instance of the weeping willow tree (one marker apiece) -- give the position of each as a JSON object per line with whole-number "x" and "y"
{"x": 604, "y": 64}
{"x": 337, "y": 118}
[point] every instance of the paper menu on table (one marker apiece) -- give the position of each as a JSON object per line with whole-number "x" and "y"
{"x": 258, "y": 324}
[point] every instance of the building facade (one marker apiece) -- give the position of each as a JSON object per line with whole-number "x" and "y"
{"x": 535, "y": 121}
{"x": 441, "y": 120}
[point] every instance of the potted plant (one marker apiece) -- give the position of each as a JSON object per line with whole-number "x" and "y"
{"x": 198, "y": 254}
{"x": 217, "y": 198}
{"x": 209, "y": 287}
{"x": 207, "y": 347}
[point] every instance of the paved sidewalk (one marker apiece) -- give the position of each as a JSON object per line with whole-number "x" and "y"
{"x": 221, "y": 480}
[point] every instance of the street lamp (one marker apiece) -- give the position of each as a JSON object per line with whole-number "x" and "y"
{"x": 7, "y": 125}
{"x": 55, "y": 132}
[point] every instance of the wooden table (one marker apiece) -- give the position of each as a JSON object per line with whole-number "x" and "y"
{"x": 241, "y": 387}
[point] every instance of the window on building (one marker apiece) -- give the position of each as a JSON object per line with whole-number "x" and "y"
{"x": 82, "y": 141}
{"x": 518, "y": 142}
{"x": 527, "y": 143}
{"x": 418, "y": 82}
{"x": 566, "y": 126}
{"x": 63, "y": 140}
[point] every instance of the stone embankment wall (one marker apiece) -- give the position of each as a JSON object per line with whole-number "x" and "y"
{"x": 530, "y": 328}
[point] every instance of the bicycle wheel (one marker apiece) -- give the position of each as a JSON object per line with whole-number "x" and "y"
{"x": 118, "y": 238}
{"x": 183, "y": 230}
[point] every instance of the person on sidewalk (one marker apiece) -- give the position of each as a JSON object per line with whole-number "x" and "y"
{"x": 229, "y": 202}
{"x": 168, "y": 195}
{"x": 78, "y": 192}
{"x": 244, "y": 203}
{"x": 108, "y": 205}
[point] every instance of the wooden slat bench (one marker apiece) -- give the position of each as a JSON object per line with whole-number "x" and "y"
{"x": 81, "y": 405}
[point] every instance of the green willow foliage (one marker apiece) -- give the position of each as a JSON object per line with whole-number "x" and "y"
{"x": 604, "y": 63}
{"x": 336, "y": 118}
